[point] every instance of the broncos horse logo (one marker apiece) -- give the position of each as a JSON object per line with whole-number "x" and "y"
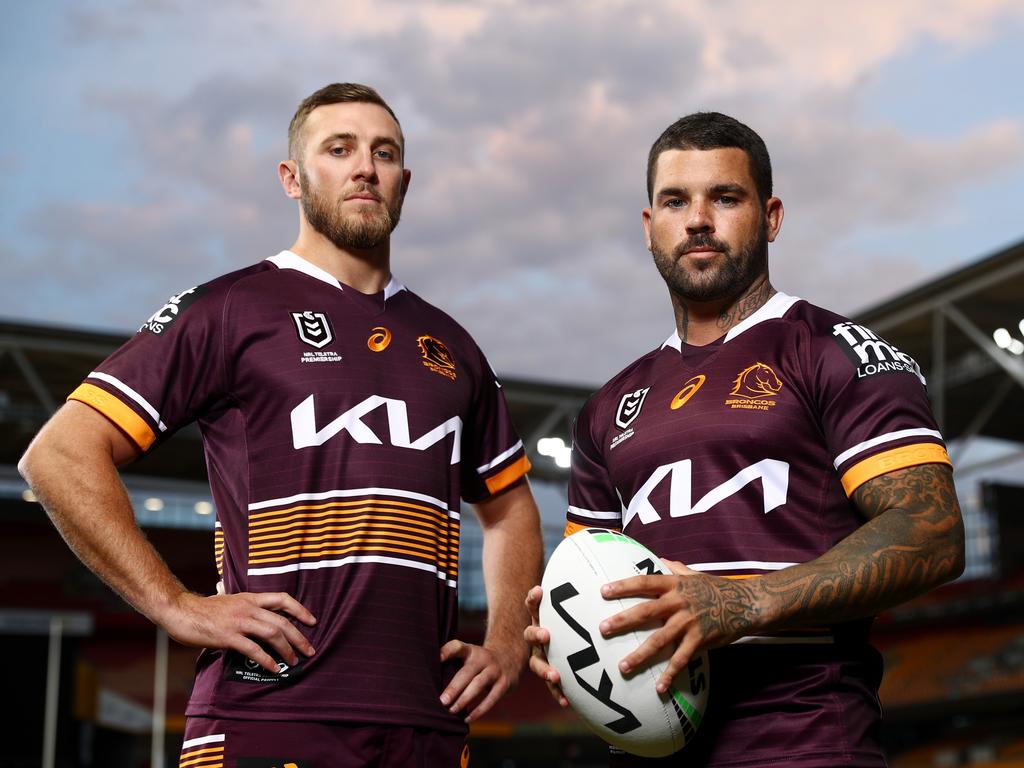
{"x": 756, "y": 382}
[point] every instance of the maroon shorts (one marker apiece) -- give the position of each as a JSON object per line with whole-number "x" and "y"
{"x": 213, "y": 743}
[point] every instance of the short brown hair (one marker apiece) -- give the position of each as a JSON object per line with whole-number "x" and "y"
{"x": 713, "y": 130}
{"x": 335, "y": 93}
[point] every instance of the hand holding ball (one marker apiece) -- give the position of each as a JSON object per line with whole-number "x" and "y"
{"x": 627, "y": 712}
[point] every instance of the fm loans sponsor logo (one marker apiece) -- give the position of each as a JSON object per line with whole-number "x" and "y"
{"x": 160, "y": 320}
{"x": 872, "y": 355}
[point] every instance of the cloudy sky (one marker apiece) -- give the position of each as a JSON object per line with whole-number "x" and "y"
{"x": 140, "y": 140}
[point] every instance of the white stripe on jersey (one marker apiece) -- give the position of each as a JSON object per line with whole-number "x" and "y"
{"x": 118, "y": 384}
{"x": 899, "y": 435}
{"x": 775, "y": 640}
{"x": 739, "y": 565}
{"x": 344, "y": 493}
{"x": 203, "y": 740}
{"x": 500, "y": 457}
{"x": 596, "y": 515}
{"x": 313, "y": 566}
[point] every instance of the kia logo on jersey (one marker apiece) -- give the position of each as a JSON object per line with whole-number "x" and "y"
{"x": 629, "y": 407}
{"x": 313, "y": 328}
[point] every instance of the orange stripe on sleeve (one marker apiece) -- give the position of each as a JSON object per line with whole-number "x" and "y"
{"x": 508, "y": 475}
{"x": 120, "y": 414}
{"x": 571, "y": 528}
{"x": 890, "y": 461}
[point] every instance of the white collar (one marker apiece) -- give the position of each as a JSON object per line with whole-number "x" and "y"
{"x": 772, "y": 309}
{"x": 292, "y": 260}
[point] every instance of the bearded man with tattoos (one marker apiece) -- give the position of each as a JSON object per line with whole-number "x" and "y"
{"x": 783, "y": 459}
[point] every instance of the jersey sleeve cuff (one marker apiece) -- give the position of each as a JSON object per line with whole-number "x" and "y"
{"x": 892, "y": 460}
{"x": 127, "y": 420}
{"x": 503, "y": 479}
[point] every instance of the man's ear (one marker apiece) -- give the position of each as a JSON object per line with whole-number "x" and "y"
{"x": 288, "y": 173}
{"x": 773, "y": 214}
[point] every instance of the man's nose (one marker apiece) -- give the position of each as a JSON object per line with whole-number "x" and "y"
{"x": 699, "y": 218}
{"x": 365, "y": 168}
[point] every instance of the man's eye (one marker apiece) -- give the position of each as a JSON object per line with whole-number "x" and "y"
{"x": 337, "y": 151}
{"x": 728, "y": 200}
{"x": 385, "y": 154}
{"x": 674, "y": 203}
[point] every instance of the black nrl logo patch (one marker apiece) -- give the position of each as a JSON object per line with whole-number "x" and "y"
{"x": 313, "y": 328}
{"x": 239, "y": 669}
{"x": 629, "y": 407}
{"x": 872, "y": 355}
{"x": 168, "y": 313}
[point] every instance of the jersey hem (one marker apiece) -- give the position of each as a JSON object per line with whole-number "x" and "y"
{"x": 363, "y": 714}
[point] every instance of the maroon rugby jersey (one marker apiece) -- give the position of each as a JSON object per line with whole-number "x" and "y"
{"x": 341, "y": 430}
{"x": 738, "y": 458}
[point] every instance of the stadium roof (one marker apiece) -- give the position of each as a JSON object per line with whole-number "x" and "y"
{"x": 947, "y": 325}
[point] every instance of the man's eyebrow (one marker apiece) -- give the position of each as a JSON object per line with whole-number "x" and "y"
{"x": 672, "y": 192}
{"x": 729, "y": 188}
{"x": 376, "y": 142}
{"x": 337, "y": 137}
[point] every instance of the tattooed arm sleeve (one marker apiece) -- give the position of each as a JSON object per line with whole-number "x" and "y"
{"x": 913, "y": 541}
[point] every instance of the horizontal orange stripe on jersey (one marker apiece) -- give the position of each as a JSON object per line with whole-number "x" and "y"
{"x": 349, "y": 550}
{"x": 127, "y": 420}
{"x": 204, "y": 757}
{"x": 321, "y": 518}
{"x": 890, "y": 461}
{"x": 303, "y": 542}
{"x": 300, "y": 549}
{"x": 508, "y": 475}
{"x": 339, "y": 504}
{"x": 361, "y": 523}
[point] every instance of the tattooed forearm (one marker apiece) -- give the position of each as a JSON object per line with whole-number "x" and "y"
{"x": 913, "y": 541}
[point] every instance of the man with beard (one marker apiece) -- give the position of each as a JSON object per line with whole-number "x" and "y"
{"x": 344, "y": 419}
{"x": 784, "y": 462}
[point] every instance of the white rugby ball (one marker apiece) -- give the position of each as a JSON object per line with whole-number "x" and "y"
{"x": 627, "y": 712}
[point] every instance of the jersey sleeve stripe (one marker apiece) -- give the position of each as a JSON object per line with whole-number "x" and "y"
{"x": 579, "y": 511}
{"x": 890, "y": 461}
{"x": 887, "y": 438}
{"x": 508, "y": 475}
{"x": 500, "y": 458}
{"x": 736, "y": 565}
{"x": 116, "y": 411}
{"x": 135, "y": 396}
